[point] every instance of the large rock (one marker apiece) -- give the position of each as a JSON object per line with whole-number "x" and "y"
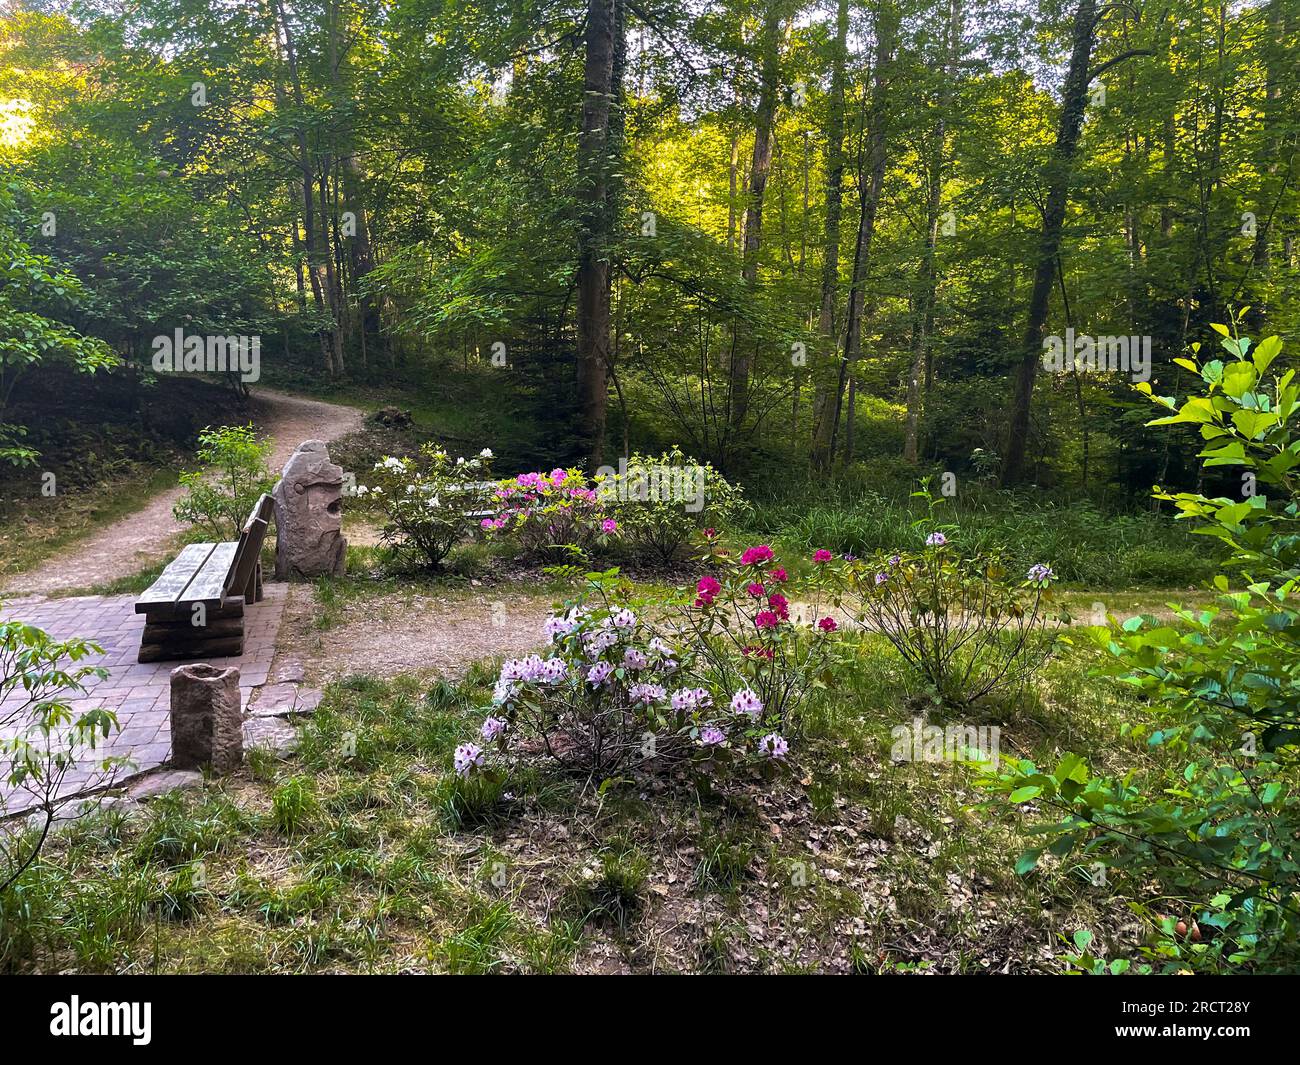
{"x": 206, "y": 718}
{"x": 309, "y": 515}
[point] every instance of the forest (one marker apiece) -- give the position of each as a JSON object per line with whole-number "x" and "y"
{"x": 911, "y": 380}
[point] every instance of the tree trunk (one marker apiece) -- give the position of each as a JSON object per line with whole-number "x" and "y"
{"x": 595, "y": 228}
{"x": 742, "y": 360}
{"x": 923, "y": 323}
{"x": 1059, "y": 169}
{"x": 871, "y": 182}
{"x": 826, "y": 326}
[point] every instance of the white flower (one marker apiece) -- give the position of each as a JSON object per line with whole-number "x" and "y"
{"x": 486, "y": 453}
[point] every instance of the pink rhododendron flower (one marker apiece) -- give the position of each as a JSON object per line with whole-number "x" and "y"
{"x": 756, "y": 556}
{"x": 756, "y": 590}
{"x": 780, "y": 604}
{"x": 822, "y": 555}
{"x": 599, "y": 674}
{"x": 711, "y": 736}
{"x": 773, "y": 746}
{"x": 827, "y": 625}
{"x": 469, "y": 756}
{"x": 778, "y": 574}
{"x": 766, "y": 619}
{"x": 753, "y": 651}
{"x": 746, "y": 702}
{"x": 646, "y": 693}
{"x": 634, "y": 659}
{"x": 486, "y": 523}
{"x": 609, "y": 525}
{"x": 710, "y": 534}
{"x": 492, "y": 728}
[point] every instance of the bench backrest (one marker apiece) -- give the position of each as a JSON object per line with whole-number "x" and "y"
{"x": 249, "y": 548}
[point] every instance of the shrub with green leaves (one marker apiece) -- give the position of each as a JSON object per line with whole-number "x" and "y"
{"x": 1212, "y": 829}
{"x": 970, "y": 628}
{"x": 233, "y": 475}
{"x": 430, "y": 503}
{"x": 663, "y": 501}
{"x": 42, "y": 737}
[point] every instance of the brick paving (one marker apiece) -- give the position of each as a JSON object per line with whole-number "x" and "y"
{"x": 139, "y": 693}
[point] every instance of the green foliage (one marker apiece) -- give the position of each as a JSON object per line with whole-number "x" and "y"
{"x": 36, "y": 297}
{"x": 663, "y": 501}
{"x": 1214, "y": 825}
{"x": 430, "y": 504}
{"x": 234, "y": 474}
{"x": 42, "y": 738}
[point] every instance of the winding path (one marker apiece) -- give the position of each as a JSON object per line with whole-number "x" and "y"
{"x": 144, "y": 537}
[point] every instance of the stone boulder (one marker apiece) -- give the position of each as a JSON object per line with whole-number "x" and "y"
{"x": 207, "y": 721}
{"x": 309, "y": 516}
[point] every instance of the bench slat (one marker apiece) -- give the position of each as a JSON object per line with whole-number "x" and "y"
{"x": 209, "y": 584}
{"x": 175, "y": 578}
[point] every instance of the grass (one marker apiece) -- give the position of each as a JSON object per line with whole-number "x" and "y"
{"x": 365, "y": 853}
{"x": 1085, "y": 545}
{"x": 37, "y": 529}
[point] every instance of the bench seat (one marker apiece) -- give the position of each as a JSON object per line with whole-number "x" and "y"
{"x": 195, "y": 609}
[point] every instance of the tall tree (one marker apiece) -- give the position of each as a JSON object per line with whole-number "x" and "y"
{"x": 595, "y": 226}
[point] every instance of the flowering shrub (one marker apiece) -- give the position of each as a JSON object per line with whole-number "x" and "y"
{"x": 430, "y": 504}
{"x": 550, "y": 513}
{"x": 964, "y": 623}
{"x": 660, "y": 502}
{"x": 617, "y": 693}
{"x": 764, "y": 639}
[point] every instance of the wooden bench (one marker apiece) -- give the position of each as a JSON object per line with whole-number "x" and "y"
{"x": 195, "y": 609}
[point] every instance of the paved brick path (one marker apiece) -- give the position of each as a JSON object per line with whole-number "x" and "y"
{"x": 137, "y": 692}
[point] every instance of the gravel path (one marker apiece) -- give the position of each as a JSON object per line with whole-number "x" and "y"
{"x": 143, "y": 538}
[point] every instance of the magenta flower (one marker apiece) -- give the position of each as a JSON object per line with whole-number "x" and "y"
{"x": 756, "y": 590}
{"x": 827, "y": 625}
{"x": 766, "y": 619}
{"x": 778, "y": 574}
{"x": 756, "y": 556}
{"x": 706, "y": 589}
{"x": 822, "y": 555}
{"x": 609, "y": 525}
{"x": 780, "y": 604}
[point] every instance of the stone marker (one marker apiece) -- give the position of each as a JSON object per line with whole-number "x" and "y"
{"x": 206, "y": 718}
{"x": 309, "y": 515}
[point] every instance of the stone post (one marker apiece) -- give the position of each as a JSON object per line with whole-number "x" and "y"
{"x": 207, "y": 720}
{"x": 309, "y": 515}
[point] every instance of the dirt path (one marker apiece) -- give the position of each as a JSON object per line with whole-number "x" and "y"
{"x": 144, "y": 537}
